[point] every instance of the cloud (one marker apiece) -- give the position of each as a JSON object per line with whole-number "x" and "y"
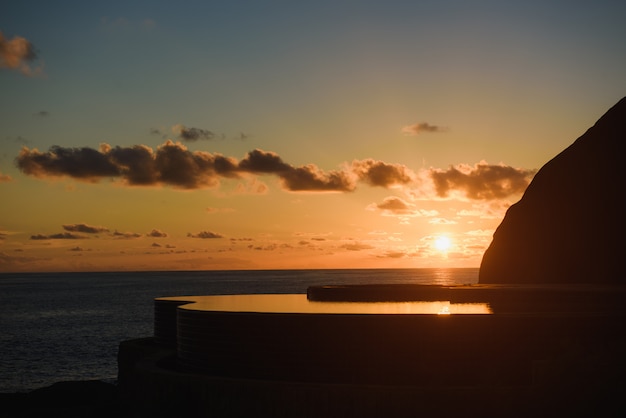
{"x": 267, "y": 247}
{"x": 311, "y": 178}
{"x": 379, "y": 173}
{"x": 424, "y": 127}
{"x": 442, "y": 221}
{"x": 155, "y": 233}
{"x": 394, "y": 254}
{"x": 21, "y": 140}
{"x": 79, "y": 163}
{"x": 88, "y": 229}
{"x": 7, "y": 260}
{"x": 177, "y": 166}
{"x": 172, "y": 164}
{"x": 18, "y": 54}
{"x": 205, "y": 235}
{"x": 355, "y": 246}
{"x": 305, "y": 178}
{"x": 480, "y": 233}
{"x": 482, "y": 181}
{"x": 469, "y": 213}
{"x": 266, "y": 162}
{"x": 192, "y": 134}
{"x": 394, "y": 206}
{"x": 126, "y": 235}
{"x": 5, "y": 178}
{"x": 62, "y": 235}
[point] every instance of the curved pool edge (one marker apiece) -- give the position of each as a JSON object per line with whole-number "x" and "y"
{"x": 511, "y": 363}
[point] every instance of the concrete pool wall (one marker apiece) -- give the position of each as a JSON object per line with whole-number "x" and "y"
{"x": 562, "y": 336}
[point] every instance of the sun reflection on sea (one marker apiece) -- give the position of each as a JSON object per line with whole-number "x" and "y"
{"x": 443, "y": 277}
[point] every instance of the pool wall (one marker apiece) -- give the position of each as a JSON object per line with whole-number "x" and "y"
{"x": 319, "y": 365}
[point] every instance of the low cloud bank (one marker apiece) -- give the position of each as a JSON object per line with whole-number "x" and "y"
{"x": 172, "y": 164}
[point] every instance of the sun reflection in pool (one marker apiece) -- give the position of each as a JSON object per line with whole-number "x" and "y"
{"x": 298, "y": 303}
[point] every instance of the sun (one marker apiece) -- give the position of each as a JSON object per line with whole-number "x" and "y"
{"x": 443, "y": 243}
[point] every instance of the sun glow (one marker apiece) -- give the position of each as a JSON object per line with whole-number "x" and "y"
{"x": 443, "y": 243}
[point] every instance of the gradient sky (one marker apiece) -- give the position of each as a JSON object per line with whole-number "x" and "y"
{"x": 143, "y": 135}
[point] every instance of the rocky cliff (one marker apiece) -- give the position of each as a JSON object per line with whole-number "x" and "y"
{"x": 569, "y": 225}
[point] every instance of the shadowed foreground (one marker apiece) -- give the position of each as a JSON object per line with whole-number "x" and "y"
{"x": 564, "y": 357}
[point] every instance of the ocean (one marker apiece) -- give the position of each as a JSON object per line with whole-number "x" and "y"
{"x": 68, "y": 326}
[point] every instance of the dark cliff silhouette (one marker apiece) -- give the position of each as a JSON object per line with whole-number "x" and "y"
{"x": 569, "y": 225}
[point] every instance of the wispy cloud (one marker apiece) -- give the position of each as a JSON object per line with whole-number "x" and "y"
{"x": 155, "y": 233}
{"x": 125, "y": 235}
{"x": 395, "y": 206}
{"x": 5, "y": 178}
{"x": 423, "y": 127}
{"x": 442, "y": 221}
{"x": 62, "y": 235}
{"x": 88, "y": 229}
{"x": 192, "y": 134}
{"x": 18, "y": 54}
{"x": 7, "y": 260}
{"x": 395, "y": 254}
{"x": 356, "y": 246}
{"x": 205, "y": 235}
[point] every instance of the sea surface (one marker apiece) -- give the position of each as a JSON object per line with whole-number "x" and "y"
{"x": 68, "y": 326}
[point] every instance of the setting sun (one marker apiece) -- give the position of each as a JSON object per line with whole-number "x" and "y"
{"x": 443, "y": 243}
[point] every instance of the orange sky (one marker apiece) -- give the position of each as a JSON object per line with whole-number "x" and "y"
{"x": 149, "y": 136}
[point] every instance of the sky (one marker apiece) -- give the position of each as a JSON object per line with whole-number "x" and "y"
{"x": 203, "y": 135}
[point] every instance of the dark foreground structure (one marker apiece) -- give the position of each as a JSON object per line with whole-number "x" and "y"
{"x": 569, "y": 226}
{"x": 562, "y": 356}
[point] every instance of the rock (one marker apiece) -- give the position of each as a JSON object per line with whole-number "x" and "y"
{"x": 569, "y": 225}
